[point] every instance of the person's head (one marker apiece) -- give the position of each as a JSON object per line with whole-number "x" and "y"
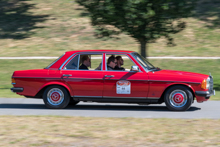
{"x": 86, "y": 61}
{"x": 120, "y": 61}
{"x": 112, "y": 61}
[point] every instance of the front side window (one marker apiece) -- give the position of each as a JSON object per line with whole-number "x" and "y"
{"x": 118, "y": 62}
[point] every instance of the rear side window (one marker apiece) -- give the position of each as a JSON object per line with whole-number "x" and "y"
{"x": 92, "y": 62}
{"x": 73, "y": 64}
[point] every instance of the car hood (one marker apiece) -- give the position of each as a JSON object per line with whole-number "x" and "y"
{"x": 175, "y": 75}
{"x": 183, "y": 73}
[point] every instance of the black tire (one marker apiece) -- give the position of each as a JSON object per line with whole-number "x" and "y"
{"x": 56, "y": 97}
{"x": 178, "y": 98}
{"x": 73, "y": 102}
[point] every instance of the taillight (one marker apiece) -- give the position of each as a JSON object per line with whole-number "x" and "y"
{"x": 13, "y": 81}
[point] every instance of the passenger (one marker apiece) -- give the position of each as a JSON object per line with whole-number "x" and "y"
{"x": 86, "y": 62}
{"x": 120, "y": 62}
{"x": 111, "y": 63}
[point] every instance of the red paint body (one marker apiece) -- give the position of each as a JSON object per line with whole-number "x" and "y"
{"x": 145, "y": 85}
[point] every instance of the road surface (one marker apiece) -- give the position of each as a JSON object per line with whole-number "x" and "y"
{"x": 24, "y": 106}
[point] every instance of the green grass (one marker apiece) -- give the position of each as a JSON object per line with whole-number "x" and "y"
{"x": 109, "y": 132}
{"x": 7, "y": 67}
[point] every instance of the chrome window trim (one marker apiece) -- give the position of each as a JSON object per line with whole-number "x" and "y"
{"x": 103, "y": 52}
{"x": 66, "y": 61}
{"x": 122, "y": 71}
{"x": 78, "y": 62}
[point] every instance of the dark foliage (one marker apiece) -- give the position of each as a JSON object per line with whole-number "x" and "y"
{"x": 16, "y": 20}
{"x": 209, "y": 12}
{"x": 144, "y": 20}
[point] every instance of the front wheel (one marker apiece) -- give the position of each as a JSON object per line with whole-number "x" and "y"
{"x": 56, "y": 97}
{"x": 178, "y": 98}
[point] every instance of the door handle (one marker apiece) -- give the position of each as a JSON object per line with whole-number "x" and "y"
{"x": 109, "y": 76}
{"x": 65, "y": 75}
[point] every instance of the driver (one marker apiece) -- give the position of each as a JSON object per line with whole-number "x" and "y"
{"x": 86, "y": 62}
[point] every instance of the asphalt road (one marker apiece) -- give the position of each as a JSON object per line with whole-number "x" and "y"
{"x": 24, "y": 106}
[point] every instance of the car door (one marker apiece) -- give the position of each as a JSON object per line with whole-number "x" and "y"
{"x": 125, "y": 84}
{"x": 83, "y": 83}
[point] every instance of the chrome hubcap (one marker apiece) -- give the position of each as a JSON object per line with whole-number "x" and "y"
{"x": 55, "y": 96}
{"x": 178, "y": 98}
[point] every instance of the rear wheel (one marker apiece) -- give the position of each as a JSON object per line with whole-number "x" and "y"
{"x": 178, "y": 98}
{"x": 56, "y": 97}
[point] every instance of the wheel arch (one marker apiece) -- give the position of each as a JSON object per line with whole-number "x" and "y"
{"x": 44, "y": 87}
{"x": 161, "y": 100}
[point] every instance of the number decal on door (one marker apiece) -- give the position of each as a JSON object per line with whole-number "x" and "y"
{"x": 123, "y": 87}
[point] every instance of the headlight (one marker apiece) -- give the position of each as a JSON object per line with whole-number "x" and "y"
{"x": 205, "y": 83}
{"x": 208, "y": 83}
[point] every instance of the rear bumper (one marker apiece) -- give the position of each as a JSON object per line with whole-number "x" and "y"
{"x": 17, "y": 89}
{"x": 205, "y": 94}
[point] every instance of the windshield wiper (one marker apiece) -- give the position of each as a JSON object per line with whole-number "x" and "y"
{"x": 155, "y": 68}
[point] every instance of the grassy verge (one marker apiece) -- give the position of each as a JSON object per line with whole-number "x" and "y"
{"x": 85, "y": 131}
{"x": 7, "y": 67}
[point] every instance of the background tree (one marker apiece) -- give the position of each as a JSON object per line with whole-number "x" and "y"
{"x": 144, "y": 20}
{"x": 16, "y": 20}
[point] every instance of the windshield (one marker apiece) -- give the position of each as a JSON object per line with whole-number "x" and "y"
{"x": 143, "y": 61}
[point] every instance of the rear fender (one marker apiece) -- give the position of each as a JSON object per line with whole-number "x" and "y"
{"x": 56, "y": 83}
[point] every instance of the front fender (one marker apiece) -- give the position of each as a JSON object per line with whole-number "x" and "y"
{"x": 174, "y": 84}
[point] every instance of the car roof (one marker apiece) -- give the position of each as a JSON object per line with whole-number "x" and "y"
{"x": 105, "y": 51}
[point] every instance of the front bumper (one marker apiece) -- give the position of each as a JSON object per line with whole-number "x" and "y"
{"x": 17, "y": 89}
{"x": 205, "y": 94}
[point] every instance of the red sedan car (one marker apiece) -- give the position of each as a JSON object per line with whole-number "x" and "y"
{"x": 111, "y": 76}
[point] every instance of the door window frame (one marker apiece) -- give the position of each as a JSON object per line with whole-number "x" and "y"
{"x": 119, "y": 54}
{"x": 82, "y": 53}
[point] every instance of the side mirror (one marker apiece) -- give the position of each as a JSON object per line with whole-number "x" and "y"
{"x": 135, "y": 68}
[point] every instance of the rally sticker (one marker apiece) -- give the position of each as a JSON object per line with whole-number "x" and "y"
{"x": 123, "y": 87}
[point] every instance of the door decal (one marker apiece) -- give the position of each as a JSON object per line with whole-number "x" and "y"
{"x": 123, "y": 87}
